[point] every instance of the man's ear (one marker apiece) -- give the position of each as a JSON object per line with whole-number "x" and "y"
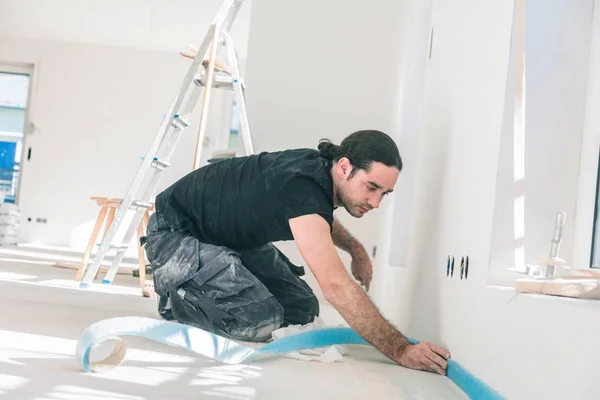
{"x": 344, "y": 167}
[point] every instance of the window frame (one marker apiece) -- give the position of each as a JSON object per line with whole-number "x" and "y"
{"x": 588, "y": 203}
{"x": 31, "y": 70}
{"x": 595, "y": 245}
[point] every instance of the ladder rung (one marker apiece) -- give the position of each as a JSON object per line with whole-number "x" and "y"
{"x": 219, "y": 82}
{"x": 119, "y": 247}
{"x": 223, "y": 82}
{"x": 160, "y": 164}
{"x": 141, "y": 204}
{"x": 179, "y": 122}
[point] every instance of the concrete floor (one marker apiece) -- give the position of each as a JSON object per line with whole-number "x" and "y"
{"x": 43, "y": 314}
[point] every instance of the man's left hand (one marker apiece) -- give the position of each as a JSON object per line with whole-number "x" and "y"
{"x": 362, "y": 267}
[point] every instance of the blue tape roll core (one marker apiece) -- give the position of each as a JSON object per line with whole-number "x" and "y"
{"x": 228, "y": 351}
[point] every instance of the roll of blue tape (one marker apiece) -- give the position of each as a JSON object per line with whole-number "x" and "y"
{"x": 228, "y": 351}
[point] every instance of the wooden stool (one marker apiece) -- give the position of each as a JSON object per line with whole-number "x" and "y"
{"x": 108, "y": 207}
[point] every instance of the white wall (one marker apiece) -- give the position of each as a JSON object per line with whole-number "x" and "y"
{"x": 416, "y": 49}
{"x": 167, "y": 25}
{"x": 96, "y": 109}
{"x": 324, "y": 69}
{"x": 527, "y": 347}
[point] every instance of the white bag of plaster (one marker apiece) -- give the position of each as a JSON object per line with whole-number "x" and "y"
{"x": 322, "y": 354}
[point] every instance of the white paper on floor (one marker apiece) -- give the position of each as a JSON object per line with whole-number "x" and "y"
{"x": 322, "y": 354}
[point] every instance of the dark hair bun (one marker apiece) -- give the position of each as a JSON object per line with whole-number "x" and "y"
{"x": 328, "y": 149}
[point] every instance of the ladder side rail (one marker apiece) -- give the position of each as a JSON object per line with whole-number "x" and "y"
{"x": 166, "y": 130}
{"x": 227, "y": 14}
{"x": 239, "y": 95}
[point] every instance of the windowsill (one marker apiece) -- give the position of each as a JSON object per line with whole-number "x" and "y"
{"x": 506, "y": 278}
{"x": 510, "y": 291}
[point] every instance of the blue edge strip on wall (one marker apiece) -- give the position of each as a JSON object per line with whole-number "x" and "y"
{"x": 221, "y": 349}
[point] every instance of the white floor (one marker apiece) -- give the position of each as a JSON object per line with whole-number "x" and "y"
{"x": 42, "y": 314}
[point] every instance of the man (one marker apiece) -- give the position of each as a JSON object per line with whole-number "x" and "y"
{"x": 209, "y": 243}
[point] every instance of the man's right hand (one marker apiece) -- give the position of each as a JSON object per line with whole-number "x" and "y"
{"x": 424, "y": 356}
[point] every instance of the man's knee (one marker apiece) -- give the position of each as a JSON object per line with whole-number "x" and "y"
{"x": 256, "y": 321}
{"x": 250, "y": 320}
{"x": 228, "y": 300}
{"x": 302, "y": 311}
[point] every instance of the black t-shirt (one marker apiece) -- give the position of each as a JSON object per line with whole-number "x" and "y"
{"x": 246, "y": 202}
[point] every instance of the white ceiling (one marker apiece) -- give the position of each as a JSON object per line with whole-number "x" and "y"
{"x": 154, "y": 24}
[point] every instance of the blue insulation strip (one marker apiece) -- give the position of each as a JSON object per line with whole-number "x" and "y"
{"x": 228, "y": 351}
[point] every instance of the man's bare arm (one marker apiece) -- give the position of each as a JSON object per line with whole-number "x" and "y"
{"x": 362, "y": 268}
{"x": 344, "y": 239}
{"x": 313, "y": 238}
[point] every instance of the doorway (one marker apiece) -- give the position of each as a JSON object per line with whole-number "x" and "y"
{"x": 15, "y": 83}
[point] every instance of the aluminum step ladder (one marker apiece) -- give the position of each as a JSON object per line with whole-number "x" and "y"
{"x": 201, "y": 77}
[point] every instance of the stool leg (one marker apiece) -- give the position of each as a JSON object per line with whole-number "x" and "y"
{"x": 141, "y": 261}
{"x": 146, "y": 218}
{"x": 109, "y": 221}
{"x": 91, "y": 243}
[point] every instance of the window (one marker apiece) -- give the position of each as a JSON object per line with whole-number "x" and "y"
{"x": 587, "y": 230}
{"x": 14, "y": 91}
{"x": 595, "y": 247}
{"x": 545, "y": 140}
